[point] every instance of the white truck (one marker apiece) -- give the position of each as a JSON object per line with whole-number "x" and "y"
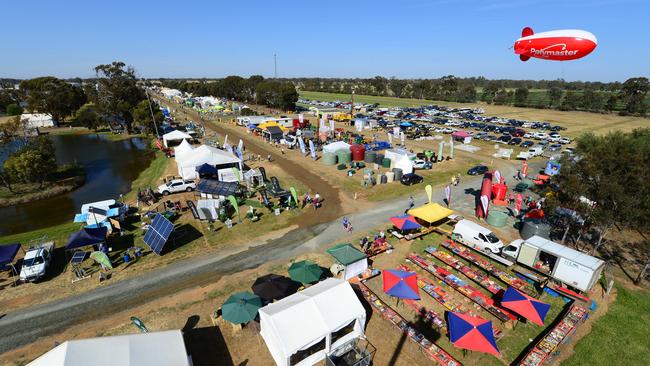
{"x": 571, "y": 267}
{"x": 531, "y": 153}
{"x": 176, "y": 185}
{"x": 476, "y": 236}
{"x": 36, "y": 262}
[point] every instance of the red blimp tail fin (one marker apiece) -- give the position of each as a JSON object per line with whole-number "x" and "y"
{"x": 524, "y": 57}
{"x": 528, "y": 31}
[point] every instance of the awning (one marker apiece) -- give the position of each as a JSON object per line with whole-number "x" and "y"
{"x": 274, "y": 130}
{"x": 86, "y": 236}
{"x": 346, "y": 254}
{"x": 217, "y": 187}
{"x": 8, "y": 253}
{"x": 431, "y": 212}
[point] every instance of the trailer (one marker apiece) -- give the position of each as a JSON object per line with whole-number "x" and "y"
{"x": 568, "y": 266}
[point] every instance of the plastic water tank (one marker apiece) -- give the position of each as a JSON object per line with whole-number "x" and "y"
{"x": 370, "y": 157}
{"x": 499, "y": 191}
{"x": 385, "y": 163}
{"x": 379, "y": 159}
{"x": 398, "y": 173}
{"x": 383, "y": 179}
{"x": 344, "y": 156}
{"x": 497, "y": 218}
{"x": 532, "y": 227}
{"x": 358, "y": 152}
{"x": 390, "y": 177}
{"x": 329, "y": 159}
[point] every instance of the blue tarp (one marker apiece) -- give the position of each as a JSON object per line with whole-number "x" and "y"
{"x": 105, "y": 224}
{"x": 8, "y": 253}
{"x": 82, "y": 217}
{"x": 206, "y": 169}
{"x": 86, "y": 236}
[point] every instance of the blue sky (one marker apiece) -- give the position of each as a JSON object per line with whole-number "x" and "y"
{"x": 412, "y": 39}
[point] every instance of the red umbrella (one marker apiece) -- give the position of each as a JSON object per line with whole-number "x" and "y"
{"x": 405, "y": 222}
{"x": 472, "y": 333}
{"x": 401, "y": 284}
{"x": 524, "y": 305}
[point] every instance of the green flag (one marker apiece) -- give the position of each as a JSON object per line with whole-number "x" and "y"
{"x": 233, "y": 201}
{"x": 101, "y": 258}
{"x": 294, "y": 194}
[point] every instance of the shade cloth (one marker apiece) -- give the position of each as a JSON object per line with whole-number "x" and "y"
{"x": 8, "y": 253}
{"x": 87, "y": 236}
{"x": 431, "y": 212}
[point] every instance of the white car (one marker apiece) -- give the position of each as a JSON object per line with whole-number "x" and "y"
{"x": 540, "y": 135}
{"x": 36, "y": 262}
{"x": 564, "y": 140}
{"x": 176, "y": 185}
{"x": 554, "y": 138}
{"x": 528, "y": 136}
{"x": 421, "y": 164}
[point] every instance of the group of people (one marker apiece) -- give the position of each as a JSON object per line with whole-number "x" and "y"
{"x": 316, "y": 200}
{"x": 366, "y": 244}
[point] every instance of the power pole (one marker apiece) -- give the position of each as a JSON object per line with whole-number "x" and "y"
{"x": 275, "y": 66}
{"x": 352, "y": 105}
{"x": 146, "y": 91}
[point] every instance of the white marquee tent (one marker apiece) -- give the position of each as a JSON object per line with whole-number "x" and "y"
{"x": 308, "y": 317}
{"x": 36, "y": 120}
{"x": 182, "y": 149}
{"x": 336, "y": 146}
{"x": 147, "y": 349}
{"x": 175, "y": 136}
{"x": 204, "y": 154}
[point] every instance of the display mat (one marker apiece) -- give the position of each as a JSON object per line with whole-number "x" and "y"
{"x": 158, "y": 233}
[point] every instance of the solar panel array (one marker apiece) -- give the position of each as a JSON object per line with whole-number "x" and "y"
{"x": 158, "y": 233}
{"x": 78, "y": 257}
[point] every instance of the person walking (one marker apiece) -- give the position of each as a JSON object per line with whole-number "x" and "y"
{"x": 411, "y": 204}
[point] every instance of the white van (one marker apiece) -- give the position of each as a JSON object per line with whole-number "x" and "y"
{"x": 476, "y": 236}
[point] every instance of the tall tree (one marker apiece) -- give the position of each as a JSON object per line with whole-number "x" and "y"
{"x": 54, "y": 96}
{"x": 521, "y": 97}
{"x": 87, "y": 116}
{"x": 490, "y": 91}
{"x": 117, "y": 91}
{"x": 379, "y": 84}
{"x": 142, "y": 116}
{"x": 554, "y": 96}
{"x": 633, "y": 93}
{"x": 448, "y": 87}
{"x": 397, "y": 86}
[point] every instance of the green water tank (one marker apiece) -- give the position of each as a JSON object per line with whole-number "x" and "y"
{"x": 497, "y": 218}
{"x": 385, "y": 163}
{"x": 344, "y": 156}
{"x": 329, "y": 159}
{"x": 370, "y": 157}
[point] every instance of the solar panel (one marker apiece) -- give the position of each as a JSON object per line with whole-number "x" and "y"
{"x": 78, "y": 257}
{"x": 158, "y": 233}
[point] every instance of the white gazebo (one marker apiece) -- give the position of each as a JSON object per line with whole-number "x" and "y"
{"x": 147, "y": 349}
{"x": 175, "y": 135}
{"x": 336, "y": 146}
{"x": 222, "y": 160}
{"x": 304, "y": 328}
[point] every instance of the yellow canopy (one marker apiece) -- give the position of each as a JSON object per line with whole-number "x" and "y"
{"x": 431, "y": 212}
{"x": 271, "y": 123}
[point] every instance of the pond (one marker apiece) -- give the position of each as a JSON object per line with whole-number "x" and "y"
{"x": 110, "y": 168}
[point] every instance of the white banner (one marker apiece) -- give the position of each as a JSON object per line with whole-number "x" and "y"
{"x": 390, "y": 138}
{"x": 312, "y": 149}
{"x": 240, "y": 145}
{"x": 301, "y": 142}
{"x": 497, "y": 176}
{"x": 396, "y": 131}
{"x": 485, "y": 202}
{"x": 225, "y": 140}
{"x": 448, "y": 194}
{"x": 300, "y": 118}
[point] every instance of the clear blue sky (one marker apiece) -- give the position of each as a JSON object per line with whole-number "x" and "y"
{"x": 327, "y": 38}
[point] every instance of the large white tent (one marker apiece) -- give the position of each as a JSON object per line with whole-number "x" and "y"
{"x": 336, "y": 146}
{"x": 175, "y": 135}
{"x": 204, "y": 154}
{"x": 147, "y": 349}
{"x": 326, "y": 316}
{"x": 182, "y": 149}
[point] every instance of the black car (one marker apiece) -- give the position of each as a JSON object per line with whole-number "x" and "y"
{"x": 527, "y": 144}
{"x": 478, "y": 170}
{"x": 505, "y": 138}
{"x": 514, "y": 141}
{"x": 410, "y": 179}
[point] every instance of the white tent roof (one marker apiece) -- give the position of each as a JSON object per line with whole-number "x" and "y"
{"x": 182, "y": 149}
{"x": 302, "y": 319}
{"x": 175, "y": 136}
{"x": 336, "y": 146}
{"x": 203, "y": 154}
{"x": 147, "y": 349}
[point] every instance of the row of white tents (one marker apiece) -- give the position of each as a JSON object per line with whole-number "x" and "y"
{"x": 188, "y": 159}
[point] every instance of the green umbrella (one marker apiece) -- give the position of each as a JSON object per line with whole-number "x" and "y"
{"x": 101, "y": 258}
{"x": 241, "y": 307}
{"x": 305, "y": 271}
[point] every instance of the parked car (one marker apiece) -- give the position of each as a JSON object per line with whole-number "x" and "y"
{"x": 514, "y": 141}
{"x": 518, "y": 132}
{"x": 528, "y": 136}
{"x": 554, "y": 138}
{"x": 554, "y": 147}
{"x": 477, "y": 170}
{"x": 540, "y": 135}
{"x": 36, "y": 262}
{"x": 176, "y": 185}
{"x": 410, "y": 179}
{"x": 421, "y": 164}
{"x": 527, "y": 143}
{"x": 564, "y": 140}
{"x": 476, "y": 236}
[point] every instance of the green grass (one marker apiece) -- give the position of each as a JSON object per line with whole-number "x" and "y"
{"x": 383, "y": 101}
{"x": 150, "y": 176}
{"x": 620, "y": 337}
{"x": 58, "y": 233}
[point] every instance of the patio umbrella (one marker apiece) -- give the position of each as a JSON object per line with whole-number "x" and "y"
{"x": 101, "y": 258}
{"x": 401, "y": 284}
{"x": 273, "y": 286}
{"x": 305, "y": 272}
{"x": 405, "y": 222}
{"x": 524, "y": 305}
{"x": 241, "y": 307}
{"x": 472, "y": 333}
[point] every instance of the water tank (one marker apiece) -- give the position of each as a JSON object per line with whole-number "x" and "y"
{"x": 379, "y": 159}
{"x": 383, "y": 179}
{"x": 499, "y": 191}
{"x": 390, "y": 177}
{"x": 398, "y": 173}
{"x": 370, "y": 157}
{"x": 385, "y": 163}
{"x": 344, "y": 156}
{"x": 358, "y": 152}
{"x": 329, "y": 159}
{"x": 532, "y": 227}
{"x": 497, "y": 218}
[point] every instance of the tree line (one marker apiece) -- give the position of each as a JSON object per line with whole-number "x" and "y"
{"x": 255, "y": 89}
{"x": 629, "y": 97}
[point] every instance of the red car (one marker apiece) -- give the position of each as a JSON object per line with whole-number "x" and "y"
{"x": 518, "y": 133}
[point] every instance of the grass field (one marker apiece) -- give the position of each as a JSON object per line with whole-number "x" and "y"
{"x": 576, "y": 123}
{"x": 621, "y": 336}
